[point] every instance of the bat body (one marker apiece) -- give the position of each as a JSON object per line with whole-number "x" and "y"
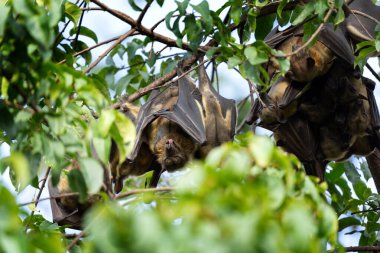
{"x": 174, "y": 126}
{"x": 68, "y": 210}
{"x": 323, "y": 109}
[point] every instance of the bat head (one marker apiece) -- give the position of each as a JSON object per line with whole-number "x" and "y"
{"x": 174, "y": 150}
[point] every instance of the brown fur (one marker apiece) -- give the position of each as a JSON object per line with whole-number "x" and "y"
{"x": 71, "y": 203}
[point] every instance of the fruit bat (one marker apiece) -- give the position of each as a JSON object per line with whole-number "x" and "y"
{"x": 68, "y": 210}
{"x": 311, "y": 62}
{"x": 361, "y": 27}
{"x": 169, "y": 128}
{"x": 175, "y": 125}
{"x": 220, "y": 114}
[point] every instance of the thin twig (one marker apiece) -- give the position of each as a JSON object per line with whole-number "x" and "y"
{"x": 79, "y": 25}
{"x": 75, "y": 241}
{"x": 91, "y": 9}
{"x": 161, "y": 21}
{"x": 95, "y": 46}
{"x": 63, "y": 195}
{"x": 117, "y": 42}
{"x": 314, "y": 35}
{"x": 365, "y": 15}
{"x": 376, "y": 75}
{"x": 38, "y": 197}
{"x": 143, "y": 12}
{"x": 366, "y": 211}
{"x": 142, "y": 29}
{"x": 152, "y": 86}
{"x": 139, "y": 191}
{"x": 361, "y": 248}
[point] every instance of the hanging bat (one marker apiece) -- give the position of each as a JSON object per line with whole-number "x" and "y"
{"x": 169, "y": 128}
{"x": 175, "y": 125}
{"x": 68, "y": 210}
{"x": 219, "y": 114}
{"x": 312, "y": 62}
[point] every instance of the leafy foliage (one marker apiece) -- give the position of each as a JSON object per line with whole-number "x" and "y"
{"x": 56, "y": 107}
{"x": 234, "y": 201}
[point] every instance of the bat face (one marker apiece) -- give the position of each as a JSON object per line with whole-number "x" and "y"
{"x": 307, "y": 63}
{"x": 171, "y": 146}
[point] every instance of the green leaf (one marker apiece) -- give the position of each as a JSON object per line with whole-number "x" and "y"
{"x": 254, "y": 56}
{"x": 348, "y": 222}
{"x": 73, "y": 12}
{"x": 102, "y": 147}
{"x": 19, "y": 164}
{"x": 364, "y": 168}
{"x": 123, "y": 132}
{"x": 261, "y": 149}
{"x": 351, "y": 172}
{"x": 4, "y": 87}
{"x": 4, "y": 12}
{"x": 236, "y": 13}
{"x": 264, "y": 26}
{"x": 336, "y": 172}
{"x": 206, "y": 18}
{"x": 85, "y": 32}
{"x": 92, "y": 173}
{"x": 134, "y": 6}
{"x": 234, "y": 61}
{"x": 182, "y": 6}
{"x": 362, "y": 191}
{"x": 306, "y": 11}
{"x": 106, "y": 120}
{"x": 283, "y": 3}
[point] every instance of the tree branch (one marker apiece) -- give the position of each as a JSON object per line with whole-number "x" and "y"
{"x": 75, "y": 241}
{"x": 142, "y": 29}
{"x": 134, "y": 192}
{"x": 159, "y": 83}
{"x": 63, "y": 195}
{"x": 314, "y": 35}
{"x": 95, "y": 46}
{"x": 361, "y": 248}
{"x": 38, "y": 197}
{"x": 117, "y": 42}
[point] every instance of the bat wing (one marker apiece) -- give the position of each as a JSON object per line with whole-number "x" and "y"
{"x": 336, "y": 41}
{"x": 146, "y": 115}
{"x": 296, "y": 137}
{"x": 187, "y": 112}
{"x": 215, "y": 105}
{"x": 276, "y": 37}
{"x": 362, "y": 27}
{"x": 61, "y": 216}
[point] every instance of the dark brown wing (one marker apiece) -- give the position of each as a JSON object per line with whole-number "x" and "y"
{"x": 362, "y": 27}
{"x": 220, "y": 112}
{"x": 336, "y": 40}
{"x": 60, "y": 216}
{"x": 187, "y": 112}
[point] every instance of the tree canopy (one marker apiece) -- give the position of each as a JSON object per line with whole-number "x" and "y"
{"x": 59, "y": 101}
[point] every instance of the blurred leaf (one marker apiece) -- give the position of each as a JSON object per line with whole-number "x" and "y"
{"x": 348, "y": 222}
{"x": 85, "y": 32}
{"x": 92, "y": 173}
{"x": 4, "y": 12}
{"x": 73, "y": 12}
{"x": 261, "y": 149}
{"x": 19, "y": 164}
